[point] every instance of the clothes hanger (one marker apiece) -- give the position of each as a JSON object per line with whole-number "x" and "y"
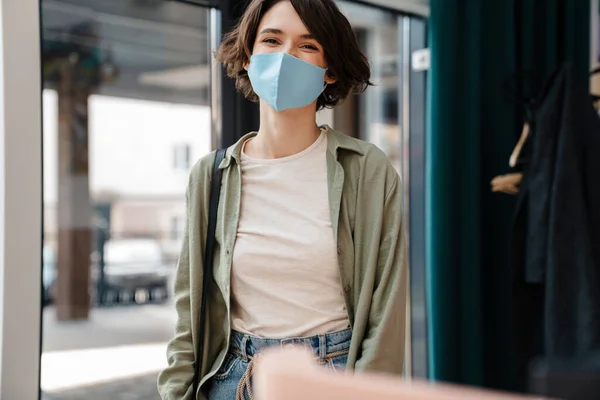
{"x": 514, "y": 157}
{"x": 508, "y": 183}
{"x": 519, "y": 88}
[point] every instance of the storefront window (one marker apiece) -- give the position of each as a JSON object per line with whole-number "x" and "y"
{"x": 126, "y": 112}
{"x": 391, "y": 115}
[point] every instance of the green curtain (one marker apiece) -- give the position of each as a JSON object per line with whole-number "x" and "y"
{"x": 483, "y": 52}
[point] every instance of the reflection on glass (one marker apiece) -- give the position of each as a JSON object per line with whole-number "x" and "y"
{"x": 377, "y": 117}
{"x": 375, "y": 112}
{"x": 126, "y": 114}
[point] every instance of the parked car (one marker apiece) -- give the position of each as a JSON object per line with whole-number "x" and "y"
{"x": 130, "y": 265}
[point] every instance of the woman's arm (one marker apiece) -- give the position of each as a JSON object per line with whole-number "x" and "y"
{"x": 175, "y": 381}
{"x": 383, "y": 346}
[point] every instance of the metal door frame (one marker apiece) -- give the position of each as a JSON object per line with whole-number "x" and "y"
{"x": 20, "y": 199}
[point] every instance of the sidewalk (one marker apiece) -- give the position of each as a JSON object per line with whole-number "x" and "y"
{"x": 138, "y": 388}
{"x": 114, "y": 355}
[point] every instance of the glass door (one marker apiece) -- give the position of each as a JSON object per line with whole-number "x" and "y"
{"x": 126, "y": 112}
{"x": 391, "y": 115}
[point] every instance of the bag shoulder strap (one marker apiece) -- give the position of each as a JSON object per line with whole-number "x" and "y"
{"x": 215, "y": 191}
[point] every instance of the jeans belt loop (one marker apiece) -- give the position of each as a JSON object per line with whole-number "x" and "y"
{"x": 322, "y": 347}
{"x": 244, "y": 348}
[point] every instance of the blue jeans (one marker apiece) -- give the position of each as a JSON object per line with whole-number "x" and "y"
{"x": 243, "y": 347}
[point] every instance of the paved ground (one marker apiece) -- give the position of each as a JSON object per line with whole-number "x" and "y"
{"x": 138, "y": 388}
{"x": 111, "y": 326}
{"x": 114, "y": 355}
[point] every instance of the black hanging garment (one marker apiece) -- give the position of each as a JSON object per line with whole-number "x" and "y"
{"x": 556, "y": 237}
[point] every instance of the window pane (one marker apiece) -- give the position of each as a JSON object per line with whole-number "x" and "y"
{"x": 374, "y": 115}
{"x": 391, "y": 115}
{"x": 126, "y": 114}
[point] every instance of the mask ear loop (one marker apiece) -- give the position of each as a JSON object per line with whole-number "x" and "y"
{"x": 323, "y": 91}
{"x": 324, "y": 86}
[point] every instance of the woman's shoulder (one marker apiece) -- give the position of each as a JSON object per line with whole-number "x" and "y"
{"x": 202, "y": 169}
{"x": 368, "y": 152}
{"x": 369, "y": 158}
{"x": 373, "y": 156}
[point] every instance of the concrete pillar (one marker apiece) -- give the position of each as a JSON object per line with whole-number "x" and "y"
{"x": 74, "y": 206}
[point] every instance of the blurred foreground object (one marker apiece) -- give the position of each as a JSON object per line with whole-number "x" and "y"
{"x": 293, "y": 374}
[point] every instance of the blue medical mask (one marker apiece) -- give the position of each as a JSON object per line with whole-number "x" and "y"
{"x": 284, "y": 81}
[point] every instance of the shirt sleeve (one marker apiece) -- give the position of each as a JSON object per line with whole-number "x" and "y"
{"x": 384, "y": 343}
{"x": 175, "y": 381}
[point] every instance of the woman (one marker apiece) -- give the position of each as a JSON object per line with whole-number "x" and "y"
{"x": 310, "y": 244}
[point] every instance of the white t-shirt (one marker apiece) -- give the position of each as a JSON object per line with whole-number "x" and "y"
{"x": 285, "y": 278}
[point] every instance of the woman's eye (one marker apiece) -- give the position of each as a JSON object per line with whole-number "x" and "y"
{"x": 270, "y": 41}
{"x": 310, "y": 47}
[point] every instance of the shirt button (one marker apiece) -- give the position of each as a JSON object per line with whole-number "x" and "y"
{"x": 339, "y": 250}
{"x": 347, "y": 288}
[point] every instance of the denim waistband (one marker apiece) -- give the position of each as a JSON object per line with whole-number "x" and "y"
{"x": 328, "y": 343}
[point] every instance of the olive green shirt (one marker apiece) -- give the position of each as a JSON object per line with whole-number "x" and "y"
{"x": 365, "y": 201}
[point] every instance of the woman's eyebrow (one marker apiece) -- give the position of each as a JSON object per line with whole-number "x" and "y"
{"x": 276, "y": 31}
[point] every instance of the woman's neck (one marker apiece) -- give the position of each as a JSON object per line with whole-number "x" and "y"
{"x": 285, "y": 133}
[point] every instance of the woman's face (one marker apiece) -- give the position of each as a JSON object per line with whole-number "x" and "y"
{"x": 282, "y": 30}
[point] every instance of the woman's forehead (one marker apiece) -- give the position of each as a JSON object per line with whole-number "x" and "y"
{"x": 283, "y": 19}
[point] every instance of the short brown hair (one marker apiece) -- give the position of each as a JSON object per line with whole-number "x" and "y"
{"x": 345, "y": 61}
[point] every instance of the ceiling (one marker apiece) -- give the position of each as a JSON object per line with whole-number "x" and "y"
{"x": 141, "y": 39}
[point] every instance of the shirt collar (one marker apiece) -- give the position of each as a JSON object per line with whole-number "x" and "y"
{"x": 335, "y": 141}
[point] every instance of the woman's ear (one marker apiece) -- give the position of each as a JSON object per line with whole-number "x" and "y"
{"x": 329, "y": 79}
